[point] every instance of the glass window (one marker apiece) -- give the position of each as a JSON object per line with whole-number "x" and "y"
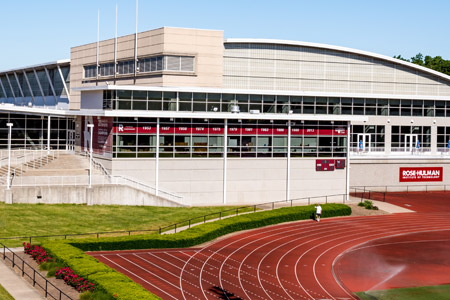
{"x": 269, "y": 104}
{"x": 170, "y": 101}
{"x": 321, "y": 105}
{"x": 394, "y": 107}
{"x": 308, "y": 105}
{"x": 199, "y": 102}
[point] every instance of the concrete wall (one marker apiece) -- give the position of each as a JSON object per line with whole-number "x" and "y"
{"x": 386, "y": 172}
{"x": 205, "y": 45}
{"x": 97, "y": 195}
{"x": 248, "y": 180}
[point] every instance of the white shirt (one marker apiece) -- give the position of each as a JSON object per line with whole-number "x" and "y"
{"x": 318, "y": 209}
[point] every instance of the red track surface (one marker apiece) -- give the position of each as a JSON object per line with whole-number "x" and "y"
{"x": 290, "y": 261}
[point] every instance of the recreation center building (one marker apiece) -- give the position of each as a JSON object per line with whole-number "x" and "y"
{"x": 235, "y": 121}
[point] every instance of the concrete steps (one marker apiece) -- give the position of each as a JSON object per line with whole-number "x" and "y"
{"x": 64, "y": 165}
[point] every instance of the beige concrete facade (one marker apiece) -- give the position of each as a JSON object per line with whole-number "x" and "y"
{"x": 386, "y": 172}
{"x": 205, "y": 45}
{"x": 248, "y": 180}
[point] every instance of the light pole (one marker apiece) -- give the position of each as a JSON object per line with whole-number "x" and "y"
{"x": 91, "y": 127}
{"x": 8, "y": 178}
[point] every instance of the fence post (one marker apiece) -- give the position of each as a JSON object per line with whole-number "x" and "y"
{"x": 46, "y": 288}
{"x": 291, "y": 203}
{"x": 34, "y": 277}
{"x": 30, "y": 240}
{"x": 23, "y": 268}
{"x": 326, "y": 199}
{"x": 220, "y": 217}
{"x": 254, "y": 208}
{"x": 97, "y": 234}
{"x": 309, "y": 200}
{"x": 4, "y": 252}
{"x": 237, "y": 209}
{"x": 175, "y": 228}
{"x": 159, "y": 230}
{"x": 273, "y": 205}
{"x": 13, "y": 260}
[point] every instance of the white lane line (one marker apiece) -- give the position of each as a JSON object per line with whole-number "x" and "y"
{"x": 133, "y": 274}
{"x": 407, "y": 229}
{"x": 227, "y": 245}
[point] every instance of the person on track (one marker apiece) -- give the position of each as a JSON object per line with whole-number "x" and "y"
{"x": 318, "y": 212}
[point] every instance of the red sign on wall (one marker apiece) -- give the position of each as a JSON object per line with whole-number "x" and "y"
{"x": 421, "y": 174}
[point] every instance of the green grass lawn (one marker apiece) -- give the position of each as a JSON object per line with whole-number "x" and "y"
{"x": 439, "y": 292}
{"x": 4, "y": 295}
{"x": 40, "y": 219}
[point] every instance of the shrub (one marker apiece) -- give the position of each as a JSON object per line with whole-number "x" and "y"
{"x": 73, "y": 280}
{"x": 37, "y": 252}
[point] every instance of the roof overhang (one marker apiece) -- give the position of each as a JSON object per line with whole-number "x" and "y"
{"x": 39, "y": 66}
{"x": 173, "y": 114}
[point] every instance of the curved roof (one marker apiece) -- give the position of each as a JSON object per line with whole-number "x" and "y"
{"x": 338, "y": 48}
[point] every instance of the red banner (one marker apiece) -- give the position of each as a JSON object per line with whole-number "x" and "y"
{"x": 421, "y": 174}
{"x": 232, "y": 130}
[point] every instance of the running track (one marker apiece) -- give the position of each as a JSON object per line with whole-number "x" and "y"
{"x": 287, "y": 261}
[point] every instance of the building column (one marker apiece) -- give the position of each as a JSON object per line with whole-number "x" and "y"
{"x": 387, "y": 138}
{"x": 288, "y": 174}
{"x": 225, "y": 148}
{"x": 433, "y": 139}
{"x": 347, "y": 167}
{"x": 157, "y": 159}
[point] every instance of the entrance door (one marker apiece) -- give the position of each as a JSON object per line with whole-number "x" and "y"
{"x": 364, "y": 142}
{"x": 410, "y": 142}
{"x": 71, "y": 140}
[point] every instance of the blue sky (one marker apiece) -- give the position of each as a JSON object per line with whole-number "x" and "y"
{"x": 34, "y": 32}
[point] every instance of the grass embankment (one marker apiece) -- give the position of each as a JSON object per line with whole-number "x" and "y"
{"x": 4, "y": 295}
{"x": 39, "y": 220}
{"x": 439, "y": 292}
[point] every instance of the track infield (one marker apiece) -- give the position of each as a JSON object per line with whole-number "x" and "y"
{"x": 303, "y": 260}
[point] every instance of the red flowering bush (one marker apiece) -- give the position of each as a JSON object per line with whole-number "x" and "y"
{"x": 37, "y": 252}
{"x": 66, "y": 274}
{"x": 72, "y": 279}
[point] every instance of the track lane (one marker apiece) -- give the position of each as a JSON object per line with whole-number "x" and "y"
{"x": 285, "y": 261}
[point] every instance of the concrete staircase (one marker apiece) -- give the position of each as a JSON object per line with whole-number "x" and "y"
{"x": 64, "y": 165}
{"x": 20, "y": 170}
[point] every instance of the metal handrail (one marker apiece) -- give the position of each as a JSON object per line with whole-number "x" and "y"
{"x": 21, "y": 265}
{"x": 191, "y": 222}
{"x": 403, "y": 188}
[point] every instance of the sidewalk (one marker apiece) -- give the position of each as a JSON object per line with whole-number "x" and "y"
{"x": 387, "y": 207}
{"x": 18, "y": 288}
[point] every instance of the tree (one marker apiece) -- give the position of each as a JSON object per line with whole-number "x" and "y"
{"x": 436, "y": 63}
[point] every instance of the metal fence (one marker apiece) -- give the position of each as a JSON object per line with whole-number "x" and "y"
{"x": 378, "y": 192}
{"x": 38, "y": 280}
{"x": 337, "y": 198}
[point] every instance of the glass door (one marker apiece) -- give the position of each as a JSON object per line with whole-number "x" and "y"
{"x": 411, "y": 142}
{"x": 364, "y": 142}
{"x": 71, "y": 140}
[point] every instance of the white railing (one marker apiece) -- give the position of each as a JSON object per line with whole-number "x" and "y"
{"x": 83, "y": 180}
{"x": 24, "y": 159}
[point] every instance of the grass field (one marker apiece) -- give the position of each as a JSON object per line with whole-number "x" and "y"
{"x": 439, "y": 292}
{"x": 40, "y": 219}
{"x": 4, "y": 295}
